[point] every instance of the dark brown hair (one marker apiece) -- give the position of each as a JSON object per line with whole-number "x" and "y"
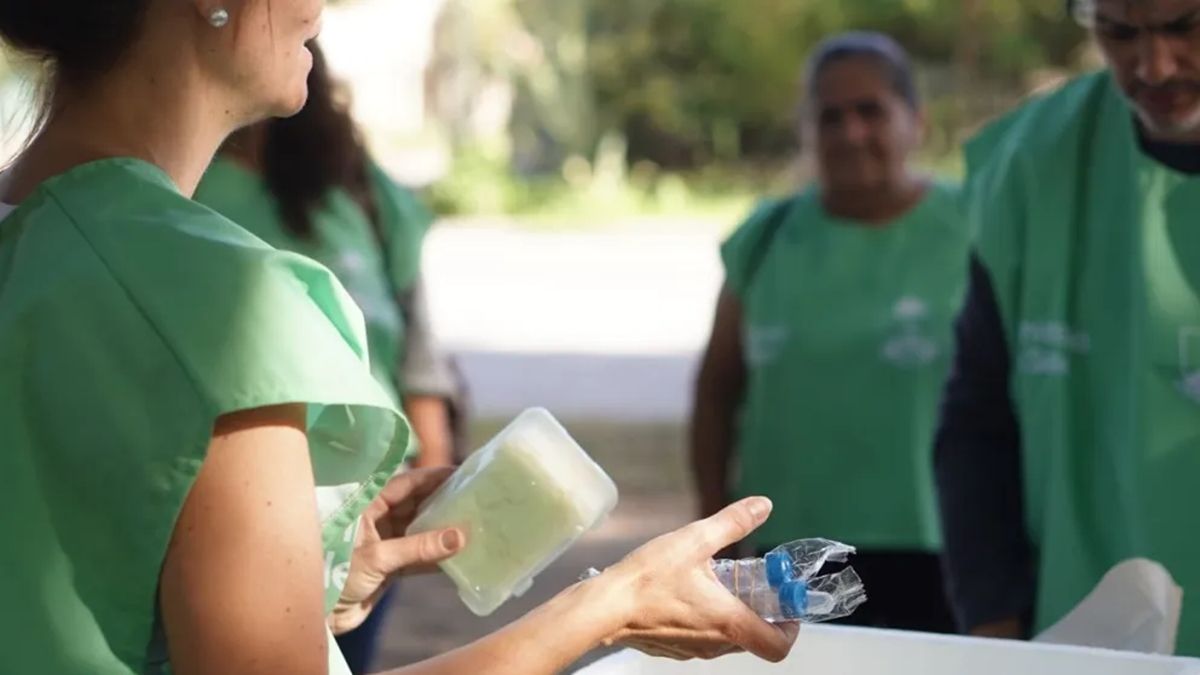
{"x": 77, "y": 39}
{"x": 317, "y": 150}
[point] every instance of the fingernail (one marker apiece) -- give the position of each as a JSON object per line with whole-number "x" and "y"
{"x": 760, "y": 507}
{"x": 451, "y": 540}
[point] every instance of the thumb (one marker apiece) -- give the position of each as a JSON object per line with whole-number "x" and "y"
{"x": 416, "y": 553}
{"x": 733, "y": 523}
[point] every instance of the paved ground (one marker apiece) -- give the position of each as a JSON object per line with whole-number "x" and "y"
{"x": 597, "y": 325}
{"x": 627, "y": 291}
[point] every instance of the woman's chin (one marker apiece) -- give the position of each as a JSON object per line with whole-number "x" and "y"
{"x": 293, "y": 103}
{"x": 294, "y": 107}
{"x": 298, "y": 94}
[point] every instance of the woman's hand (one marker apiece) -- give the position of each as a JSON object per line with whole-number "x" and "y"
{"x": 663, "y": 599}
{"x": 678, "y": 608}
{"x": 382, "y": 550}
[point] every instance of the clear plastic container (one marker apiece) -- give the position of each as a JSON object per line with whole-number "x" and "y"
{"x": 522, "y": 501}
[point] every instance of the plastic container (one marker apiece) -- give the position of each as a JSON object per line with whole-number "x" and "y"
{"x": 522, "y": 501}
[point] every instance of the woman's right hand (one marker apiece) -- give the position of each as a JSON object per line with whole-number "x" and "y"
{"x": 676, "y": 606}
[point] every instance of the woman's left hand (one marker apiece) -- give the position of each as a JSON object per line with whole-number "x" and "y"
{"x": 382, "y": 550}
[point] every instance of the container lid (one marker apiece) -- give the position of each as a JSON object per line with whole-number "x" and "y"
{"x": 779, "y": 568}
{"x": 793, "y": 599}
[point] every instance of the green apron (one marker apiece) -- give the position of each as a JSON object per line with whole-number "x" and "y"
{"x": 847, "y": 339}
{"x": 344, "y": 240}
{"x": 131, "y": 318}
{"x": 1094, "y": 253}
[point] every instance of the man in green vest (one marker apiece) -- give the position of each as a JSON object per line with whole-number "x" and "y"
{"x": 1070, "y": 433}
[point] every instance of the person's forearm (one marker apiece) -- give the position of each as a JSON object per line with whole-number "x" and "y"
{"x": 431, "y": 423}
{"x": 546, "y": 641}
{"x": 712, "y": 440}
{"x": 720, "y": 386}
{"x": 990, "y": 568}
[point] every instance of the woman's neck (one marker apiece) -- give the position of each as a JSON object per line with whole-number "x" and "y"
{"x": 246, "y": 147}
{"x": 148, "y": 113}
{"x": 876, "y": 207}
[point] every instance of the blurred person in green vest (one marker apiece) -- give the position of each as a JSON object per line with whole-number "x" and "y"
{"x": 1070, "y": 437}
{"x": 833, "y": 337}
{"x": 306, "y": 184}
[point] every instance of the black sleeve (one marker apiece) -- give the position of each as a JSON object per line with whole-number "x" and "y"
{"x": 977, "y": 467}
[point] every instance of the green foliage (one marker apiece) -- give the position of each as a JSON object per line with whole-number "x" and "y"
{"x": 693, "y": 81}
{"x": 584, "y": 196}
{"x": 678, "y": 87}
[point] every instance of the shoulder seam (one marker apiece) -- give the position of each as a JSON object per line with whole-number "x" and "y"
{"x": 191, "y": 378}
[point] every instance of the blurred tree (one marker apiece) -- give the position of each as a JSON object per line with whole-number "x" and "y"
{"x": 686, "y": 83}
{"x": 517, "y": 69}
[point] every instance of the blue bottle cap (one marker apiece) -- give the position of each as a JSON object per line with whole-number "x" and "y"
{"x": 779, "y": 568}
{"x": 793, "y": 599}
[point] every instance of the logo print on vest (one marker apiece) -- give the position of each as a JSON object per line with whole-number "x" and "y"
{"x": 764, "y": 344}
{"x": 1189, "y": 362}
{"x": 909, "y": 346}
{"x": 1046, "y": 347}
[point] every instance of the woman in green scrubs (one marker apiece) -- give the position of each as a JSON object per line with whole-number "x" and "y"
{"x": 306, "y": 184}
{"x": 833, "y": 336}
{"x": 194, "y": 447}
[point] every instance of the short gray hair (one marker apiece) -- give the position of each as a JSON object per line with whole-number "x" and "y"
{"x": 880, "y": 48}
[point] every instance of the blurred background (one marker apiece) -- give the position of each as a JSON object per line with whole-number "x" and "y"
{"x": 563, "y": 114}
{"x": 585, "y": 158}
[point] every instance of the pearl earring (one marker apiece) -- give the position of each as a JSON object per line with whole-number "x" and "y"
{"x": 219, "y": 17}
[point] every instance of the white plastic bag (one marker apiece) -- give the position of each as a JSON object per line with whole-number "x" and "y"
{"x": 1135, "y": 608}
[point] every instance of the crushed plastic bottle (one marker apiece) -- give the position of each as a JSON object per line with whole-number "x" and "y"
{"x": 784, "y": 586}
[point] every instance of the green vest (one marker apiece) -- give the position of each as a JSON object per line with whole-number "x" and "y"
{"x": 131, "y": 318}
{"x": 1094, "y": 253}
{"x": 847, "y": 337}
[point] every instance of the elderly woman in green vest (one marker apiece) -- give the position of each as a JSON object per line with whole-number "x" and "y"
{"x": 306, "y": 184}
{"x": 833, "y": 336}
{"x": 198, "y": 462}
{"x": 1070, "y": 439}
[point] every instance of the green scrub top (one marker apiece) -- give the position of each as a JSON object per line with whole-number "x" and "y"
{"x": 131, "y": 318}
{"x": 344, "y": 240}
{"x": 1094, "y": 253}
{"x": 847, "y": 341}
